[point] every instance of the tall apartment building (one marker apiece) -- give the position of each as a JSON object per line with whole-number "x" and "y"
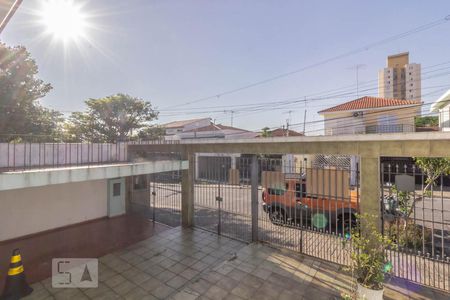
{"x": 400, "y": 79}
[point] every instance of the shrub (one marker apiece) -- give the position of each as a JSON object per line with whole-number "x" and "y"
{"x": 368, "y": 252}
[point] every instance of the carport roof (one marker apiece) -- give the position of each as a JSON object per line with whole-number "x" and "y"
{"x": 443, "y": 101}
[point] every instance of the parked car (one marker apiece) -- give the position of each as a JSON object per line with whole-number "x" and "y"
{"x": 292, "y": 204}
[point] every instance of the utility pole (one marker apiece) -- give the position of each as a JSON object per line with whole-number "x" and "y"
{"x": 287, "y": 127}
{"x": 288, "y": 121}
{"x": 304, "y": 122}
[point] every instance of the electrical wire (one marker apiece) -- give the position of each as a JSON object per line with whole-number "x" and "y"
{"x": 325, "y": 61}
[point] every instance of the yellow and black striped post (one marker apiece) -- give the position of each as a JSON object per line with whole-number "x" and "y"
{"x": 16, "y": 285}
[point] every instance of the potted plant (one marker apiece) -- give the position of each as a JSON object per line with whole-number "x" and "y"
{"x": 370, "y": 263}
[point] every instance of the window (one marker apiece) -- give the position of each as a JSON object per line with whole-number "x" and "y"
{"x": 300, "y": 190}
{"x": 116, "y": 189}
{"x": 387, "y": 123}
{"x": 276, "y": 192}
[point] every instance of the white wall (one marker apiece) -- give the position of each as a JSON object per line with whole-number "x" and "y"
{"x": 31, "y": 210}
{"x": 444, "y": 118}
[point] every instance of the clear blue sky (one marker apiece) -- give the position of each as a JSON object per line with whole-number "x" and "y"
{"x": 172, "y": 52}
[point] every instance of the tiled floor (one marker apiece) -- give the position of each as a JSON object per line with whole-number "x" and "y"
{"x": 184, "y": 264}
{"x": 91, "y": 239}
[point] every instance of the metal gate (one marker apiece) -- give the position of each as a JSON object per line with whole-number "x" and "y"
{"x": 158, "y": 197}
{"x": 304, "y": 204}
{"x": 222, "y": 200}
{"x": 308, "y": 203}
{"x": 416, "y": 216}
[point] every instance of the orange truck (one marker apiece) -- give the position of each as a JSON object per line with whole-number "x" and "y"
{"x": 293, "y": 204}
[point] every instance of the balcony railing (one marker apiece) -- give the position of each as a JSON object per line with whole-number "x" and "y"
{"x": 391, "y": 128}
{"x": 25, "y": 156}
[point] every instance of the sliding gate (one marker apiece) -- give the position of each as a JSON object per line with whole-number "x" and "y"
{"x": 303, "y": 203}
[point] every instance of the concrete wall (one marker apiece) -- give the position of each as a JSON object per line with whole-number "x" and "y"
{"x": 31, "y": 210}
{"x": 43, "y": 177}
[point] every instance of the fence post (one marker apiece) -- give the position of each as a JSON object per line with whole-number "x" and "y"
{"x": 370, "y": 187}
{"x": 187, "y": 191}
{"x": 254, "y": 197}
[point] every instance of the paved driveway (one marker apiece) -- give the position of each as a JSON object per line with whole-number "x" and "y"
{"x": 195, "y": 264}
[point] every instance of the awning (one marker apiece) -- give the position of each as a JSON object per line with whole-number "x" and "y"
{"x": 443, "y": 101}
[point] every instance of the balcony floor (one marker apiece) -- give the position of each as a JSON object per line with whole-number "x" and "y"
{"x": 195, "y": 264}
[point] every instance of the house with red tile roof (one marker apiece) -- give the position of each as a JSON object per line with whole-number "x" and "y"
{"x": 280, "y": 132}
{"x": 371, "y": 115}
{"x": 203, "y": 128}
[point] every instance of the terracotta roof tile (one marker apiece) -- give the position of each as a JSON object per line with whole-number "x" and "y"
{"x": 182, "y": 123}
{"x": 282, "y": 132}
{"x": 212, "y": 127}
{"x": 369, "y": 102}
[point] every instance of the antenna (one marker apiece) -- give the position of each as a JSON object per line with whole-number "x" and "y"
{"x": 356, "y": 68}
{"x": 304, "y": 118}
{"x": 290, "y": 114}
{"x": 232, "y": 114}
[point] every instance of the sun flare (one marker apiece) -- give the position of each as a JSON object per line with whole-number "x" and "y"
{"x": 63, "y": 19}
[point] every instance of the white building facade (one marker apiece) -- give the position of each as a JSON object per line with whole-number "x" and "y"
{"x": 442, "y": 107}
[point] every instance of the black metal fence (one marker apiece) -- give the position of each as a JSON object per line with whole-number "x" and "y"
{"x": 221, "y": 200}
{"x": 299, "y": 206}
{"x": 309, "y": 205}
{"x": 416, "y": 216}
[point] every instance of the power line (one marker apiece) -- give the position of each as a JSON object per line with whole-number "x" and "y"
{"x": 348, "y": 92}
{"x": 337, "y": 57}
{"x": 280, "y": 106}
{"x": 346, "y": 118}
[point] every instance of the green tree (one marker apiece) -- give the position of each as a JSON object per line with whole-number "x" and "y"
{"x": 151, "y": 132}
{"x": 110, "y": 119}
{"x": 21, "y": 115}
{"x": 266, "y": 132}
{"x": 433, "y": 167}
{"x": 426, "y": 121}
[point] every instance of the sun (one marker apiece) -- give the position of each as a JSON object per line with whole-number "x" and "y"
{"x": 63, "y": 19}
